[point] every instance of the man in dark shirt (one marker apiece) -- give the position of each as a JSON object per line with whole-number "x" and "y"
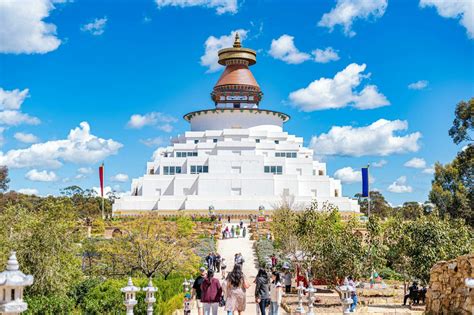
{"x": 197, "y": 289}
{"x": 412, "y": 294}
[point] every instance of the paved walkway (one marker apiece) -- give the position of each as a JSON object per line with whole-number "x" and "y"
{"x": 227, "y": 248}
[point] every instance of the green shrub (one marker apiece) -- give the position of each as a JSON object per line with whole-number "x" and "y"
{"x": 204, "y": 247}
{"x": 49, "y": 305}
{"x": 264, "y": 250}
{"x": 389, "y": 274}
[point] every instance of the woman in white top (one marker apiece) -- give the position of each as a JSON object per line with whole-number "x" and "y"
{"x": 276, "y": 290}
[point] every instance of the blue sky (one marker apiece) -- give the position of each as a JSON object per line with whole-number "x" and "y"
{"x": 101, "y": 62}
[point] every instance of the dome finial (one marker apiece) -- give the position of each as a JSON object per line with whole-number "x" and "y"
{"x": 237, "y": 40}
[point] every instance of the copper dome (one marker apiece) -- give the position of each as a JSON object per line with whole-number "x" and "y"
{"x": 237, "y": 75}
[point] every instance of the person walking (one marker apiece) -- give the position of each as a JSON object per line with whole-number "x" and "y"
{"x": 352, "y": 287}
{"x": 262, "y": 290}
{"x": 237, "y": 231}
{"x": 223, "y": 268}
{"x": 210, "y": 261}
{"x": 239, "y": 259}
{"x": 241, "y": 224}
{"x": 276, "y": 290}
{"x": 287, "y": 280}
{"x": 232, "y": 231}
{"x": 236, "y": 286}
{"x": 196, "y": 292}
{"x": 217, "y": 262}
{"x": 211, "y": 293}
{"x": 228, "y": 219}
{"x": 244, "y": 231}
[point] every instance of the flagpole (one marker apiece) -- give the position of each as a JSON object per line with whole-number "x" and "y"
{"x": 368, "y": 194}
{"x": 101, "y": 175}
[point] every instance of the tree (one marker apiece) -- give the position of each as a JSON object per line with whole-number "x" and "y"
{"x": 319, "y": 241}
{"x": 452, "y": 189}
{"x": 463, "y": 122}
{"x": 46, "y": 244}
{"x": 409, "y": 210}
{"x": 378, "y": 205}
{"x": 151, "y": 246}
{"x": 4, "y": 179}
{"x": 416, "y": 245}
{"x": 330, "y": 248}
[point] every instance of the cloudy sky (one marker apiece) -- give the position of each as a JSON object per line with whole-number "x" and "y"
{"x": 365, "y": 81}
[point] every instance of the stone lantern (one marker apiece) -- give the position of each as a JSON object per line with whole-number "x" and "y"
{"x": 311, "y": 290}
{"x": 346, "y": 299}
{"x": 130, "y": 296}
{"x": 150, "y": 297}
{"x": 300, "y": 307}
{"x": 12, "y": 283}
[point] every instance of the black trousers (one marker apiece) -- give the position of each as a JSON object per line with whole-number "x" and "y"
{"x": 288, "y": 288}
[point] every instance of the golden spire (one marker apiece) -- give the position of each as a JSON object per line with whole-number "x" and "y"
{"x": 237, "y": 41}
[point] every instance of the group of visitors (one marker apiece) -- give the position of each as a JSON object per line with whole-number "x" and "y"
{"x": 415, "y": 294}
{"x": 214, "y": 262}
{"x": 234, "y": 231}
{"x": 210, "y": 293}
{"x": 268, "y": 292}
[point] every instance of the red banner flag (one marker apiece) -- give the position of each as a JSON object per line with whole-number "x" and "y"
{"x": 101, "y": 177}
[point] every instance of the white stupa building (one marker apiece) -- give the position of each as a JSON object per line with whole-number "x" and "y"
{"x": 236, "y": 157}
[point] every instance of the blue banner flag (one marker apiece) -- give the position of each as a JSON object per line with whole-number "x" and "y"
{"x": 365, "y": 182}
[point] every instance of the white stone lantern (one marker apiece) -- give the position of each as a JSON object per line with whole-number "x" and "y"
{"x": 150, "y": 297}
{"x": 346, "y": 298}
{"x": 300, "y": 307}
{"x": 12, "y": 283}
{"x": 130, "y": 296}
{"x": 311, "y": 290}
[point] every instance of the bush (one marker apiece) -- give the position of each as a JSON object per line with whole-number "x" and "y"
{"x": 389, "y": 274}
{"x": 49, "y": 305}
{"x": 204, "y": 247}
{"x": 264, "y": 250}
{"x": 106, "y": 297}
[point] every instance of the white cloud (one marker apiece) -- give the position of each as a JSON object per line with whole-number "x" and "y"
{"x": 159, "y": 120}
{"x": 28, "y": 191}
{"x": 41, "y": 176}
{"x": 79, "y": 147}
{"x": 429, "y": 170}
{"x": 15, "y": 118}
{"x": 120, "y": 177}
{"x": 284, "y": 49}
{"x": 153, "y": 142}
{"x": 326, "y": 55}
{"x": 418, "y": 85}
{"x": 454, "y": 9}
{"x": 399, "y": 186}
{"x": 96, "y": 27}
{"x": 380, "y": 163}
{"x": 26, "y": 137}
{"x": 214, "y": 44}
{"x": 338, "y": 92}
{"x": 84, "y": 170}
{"x": 221, "y": 6}
{"x": 12, "y": 99}
{"x": 347, "y": 11}
{"x": 22, "y": 29}
{"x": 415, "y": 163}
{"x": 348, "y": 175}
{"x": 379, "y": 138}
